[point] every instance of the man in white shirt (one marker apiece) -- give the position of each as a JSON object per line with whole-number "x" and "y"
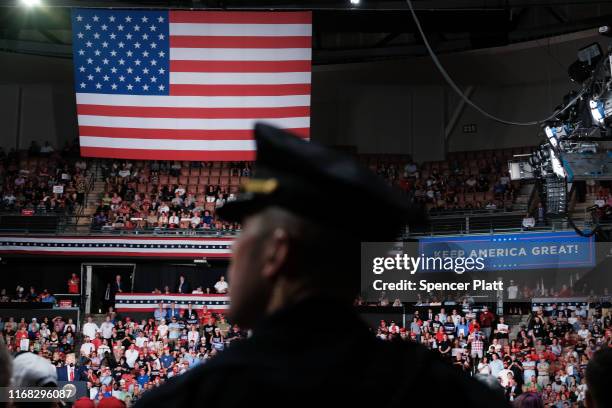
{"x": 221, "y": 286}
{"x": 90, "y": 328}
{"x": 162, "y": 329}
{"x": 87, "y": 347}
{"x": 512, "y": 290}
{"x": 141, "y": 340}
{"x": 131, "y": 355}
{"x": 107, "y": 328}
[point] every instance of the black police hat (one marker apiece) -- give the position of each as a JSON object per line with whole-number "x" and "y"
{"x": 321, "y": 185}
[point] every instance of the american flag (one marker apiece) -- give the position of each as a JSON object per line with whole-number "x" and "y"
{"x": 188, "y": 85}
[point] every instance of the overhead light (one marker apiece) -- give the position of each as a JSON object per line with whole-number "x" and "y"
{"x": 200, "y": 261}
{"x": 355, "y": 2}
{"x": 31, "y": 3}
{"x": 597, "y": 111}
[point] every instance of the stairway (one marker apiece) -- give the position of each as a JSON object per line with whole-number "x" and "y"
{"x": 521, "y": 200}
{"x": 93, "y": 197}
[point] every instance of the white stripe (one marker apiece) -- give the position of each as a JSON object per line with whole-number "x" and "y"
{"x": 193, "y": 101}
{"x": 179, "y": 123}
{"x": 240, "y": 54}
{"x": 78, "y": 250}
{"x": 241, "y": 30}
{"x": 230, "y": 78}
{"x": 130, "y": 240}
{"x": 167, "y": 144}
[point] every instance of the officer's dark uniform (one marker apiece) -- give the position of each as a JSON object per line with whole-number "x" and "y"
{"x": 318, "y": 352}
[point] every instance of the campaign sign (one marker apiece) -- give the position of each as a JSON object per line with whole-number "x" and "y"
{"x": 515, "y": 251}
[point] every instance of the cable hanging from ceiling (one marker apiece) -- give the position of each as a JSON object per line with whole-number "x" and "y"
{"x": 454, "y": 86}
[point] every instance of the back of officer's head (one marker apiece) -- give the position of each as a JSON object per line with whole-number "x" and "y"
{"x": 282, "y": 257}
{"x": 599, "y": 378}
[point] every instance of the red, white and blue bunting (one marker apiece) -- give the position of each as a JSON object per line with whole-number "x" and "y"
{"x": 148, "y": 302}
{"x": 103, "y": 246}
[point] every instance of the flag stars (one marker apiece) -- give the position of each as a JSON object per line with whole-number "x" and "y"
{"x": 145, "y": 71}
{"x": 88, "y": 27}
{"x": 136, "y": 44}
{"x": 136, "y": 27}
{"x": 121, "y": 61}
{"x": 97, "y": 53}
{"x": 128, "y": 19}
{"x": 113, "y": 53}
{"x": 121, "y": 44}
{"x": 81, "y": 52}
{"x": 145, "y": 87}
{"x": 89, "y": 61}
{"x": 121, "y": 78}
{"x": 98, "y": 69}
{"x": 90, "y": 77}
{"x": 113, "y": 70}
{"x": 105, "y": 61}
{"x": 161, "y": 71}
{"x": 160, "y": 19}
{"x": 114, "y": 86}
{"x": 104, "y": 44}
{"x": 128, "y": 36}
{"x": 111, "y": 19}
{"x": 120, "y": 27}
{"x": 161, "y": 87}
{"x": 96, "y": 18}
{"x": 129, "y": 87}
{"x": 80, "y": 35}
{"x": 145, "y": 54}
{"x": 152, "y": 28}
{"x": 88, "y": 44}
{"x": 137, "y": 79}
{"x": 103, "y": 27}
{"x": 145, "y": 36}
{"x": 129, "y": 70}
{"x": 82, "y": 68}
{"x": 153, "y": 79}
{"x": 113, "y": 36}
{"x": 83, "y": 84}
{"x": 79, "y": 18}
{"x": 98, "y": 86}
{"x": 137, "y": 62}
{"x": 106, "y": 77}
{"x": 129, "y": 53}
{"x": 144, "y": 19}
{"x": 161, "y": 37}
{"x": 161, "y": 54}
{"x": 153, "y": 62}
{"x": 153, "y": 45}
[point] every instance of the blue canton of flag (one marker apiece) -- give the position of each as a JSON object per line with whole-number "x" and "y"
{"x": 121, "y": 51}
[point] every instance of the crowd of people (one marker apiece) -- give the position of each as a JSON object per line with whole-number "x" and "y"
{"x": 546, "y": 358}
{"x": 459, "y": 183}
{"x": 122, "y": 357}
{"x": 168, "y": 195}
{"x": 42, "y": 180}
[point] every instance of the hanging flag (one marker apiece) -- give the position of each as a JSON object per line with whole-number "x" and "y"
{"x": 188, "y": 85}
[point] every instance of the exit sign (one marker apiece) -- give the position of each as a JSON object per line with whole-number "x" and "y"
{"x": 470, "y": 128}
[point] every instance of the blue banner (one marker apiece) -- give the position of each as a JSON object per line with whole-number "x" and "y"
{"x": 516, "y": 251}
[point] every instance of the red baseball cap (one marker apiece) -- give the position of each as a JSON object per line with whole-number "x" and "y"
{"x": 84, "y": 402}
{"x": 111, "y": 402}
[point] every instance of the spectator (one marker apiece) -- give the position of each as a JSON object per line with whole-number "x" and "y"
{"x": 221, "y": 286}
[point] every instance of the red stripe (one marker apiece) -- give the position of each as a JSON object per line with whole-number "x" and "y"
{"x": 240, "y": 66}
{"x": 241, "y": 17}
{"x": 118, "y": 254}
{"x": 186, "y": 134}
{"x": 152, "y": 309}
{"x": 194, "y": 113}
{"x": 145, "y": 154}
{"x": 163, "y": 295}
{"x": 240, "y": 42}
{"x": 239, "y": 90}
{"x": 102, "y": 238}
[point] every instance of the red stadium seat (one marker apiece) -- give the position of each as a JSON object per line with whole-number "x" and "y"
{"x": 194, "y": 179}
{"x": 183, "y": 180}
{"x": 194, "y": 172}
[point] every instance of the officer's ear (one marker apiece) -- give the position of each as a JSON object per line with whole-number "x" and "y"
{"x": 276, "y": 253}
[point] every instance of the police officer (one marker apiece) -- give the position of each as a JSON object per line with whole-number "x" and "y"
{"x": 293, "y": 276}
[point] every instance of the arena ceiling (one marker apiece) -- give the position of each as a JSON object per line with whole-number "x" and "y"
{"x": 372, "y": 30}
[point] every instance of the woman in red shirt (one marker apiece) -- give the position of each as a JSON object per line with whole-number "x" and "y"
{"x": 74, "y": 284}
